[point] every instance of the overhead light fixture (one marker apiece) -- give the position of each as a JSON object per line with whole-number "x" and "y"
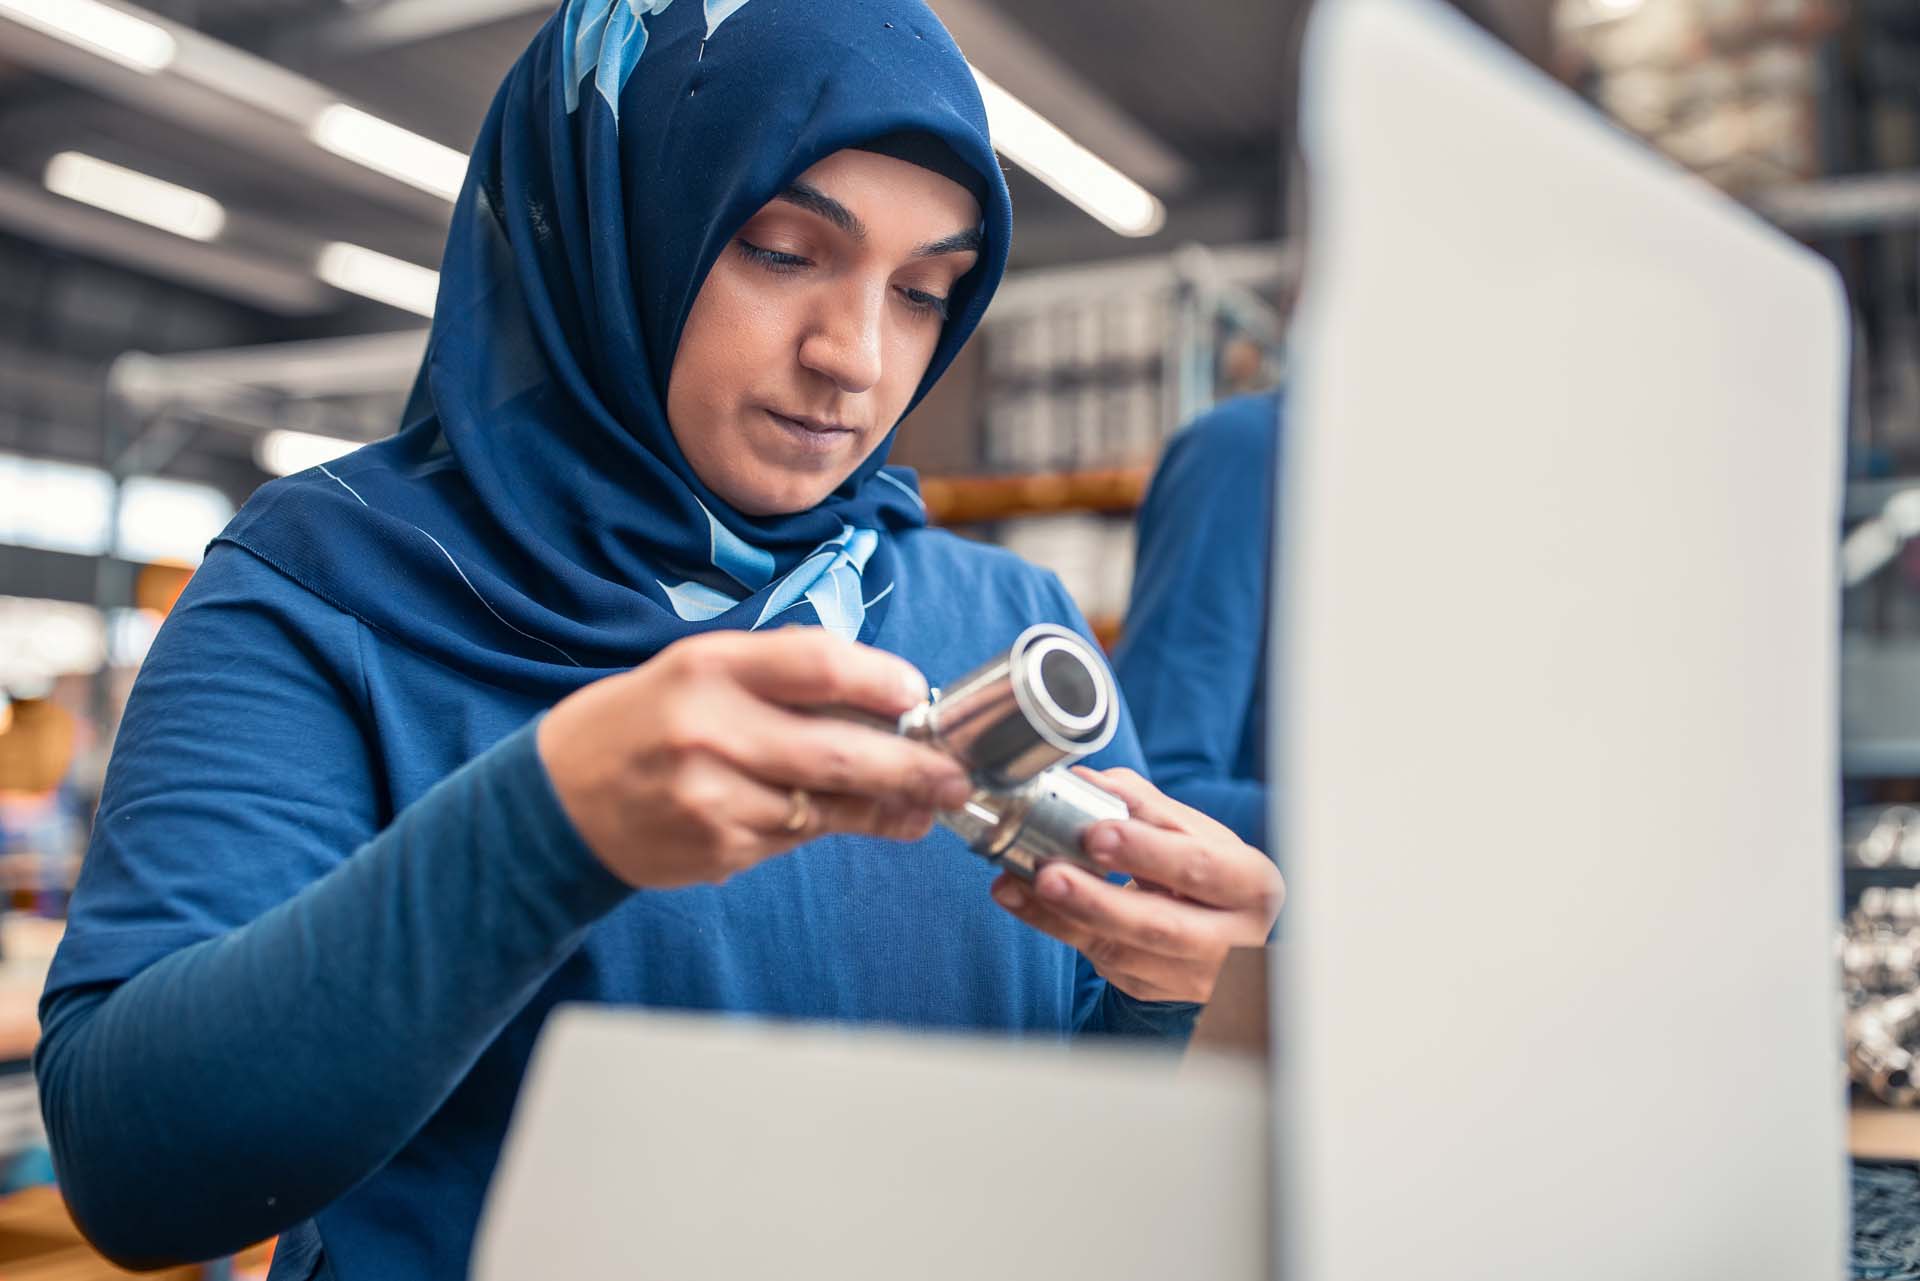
{"x": 379, "y": 144}
{"x": 97, "y": 28}
{"x": 393, "y": 281}
{"x": 285, "y": 452}
{"x": 135, "y": 195}
{"x": 1040, "y": 147}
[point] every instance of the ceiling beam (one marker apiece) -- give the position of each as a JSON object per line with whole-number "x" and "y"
{"x": 315, "y": 369}
{"x": 30, "y": 210}
{"x": 398, "y": 23}
{"x": 1042, "y": 78}
{"x": 1047, "y": 81}
{"x": 224, "y": 93}
{"x": 39, "y": 574}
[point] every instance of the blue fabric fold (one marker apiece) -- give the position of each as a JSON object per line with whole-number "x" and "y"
{"x": 535, "y": 503}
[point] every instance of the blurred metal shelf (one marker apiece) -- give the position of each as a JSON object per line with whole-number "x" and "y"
{"x": 1879, "y": 708}
{"x": 1866, "y": 499}
{"x": 1843, "y": 206}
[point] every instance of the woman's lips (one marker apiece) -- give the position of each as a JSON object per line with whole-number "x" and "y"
{"x": 811, "y": 436}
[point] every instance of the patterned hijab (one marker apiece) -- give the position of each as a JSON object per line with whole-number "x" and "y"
{"x": 534, "y": 523}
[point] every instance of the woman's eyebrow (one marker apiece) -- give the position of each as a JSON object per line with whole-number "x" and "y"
{"x": 968, "y": 241}
{"x": 814, "y": 200}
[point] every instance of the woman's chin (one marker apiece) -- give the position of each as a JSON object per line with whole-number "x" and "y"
{"x": 785, "y": 498}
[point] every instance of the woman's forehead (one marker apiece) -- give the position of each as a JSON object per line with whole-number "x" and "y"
{"x": 862, "y": 191}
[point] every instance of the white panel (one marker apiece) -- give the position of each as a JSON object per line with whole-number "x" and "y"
{"x": 650, "y": 1145}
{"x": 1558, "y": 660}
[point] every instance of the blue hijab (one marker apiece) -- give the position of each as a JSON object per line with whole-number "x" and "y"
{"x": 534, "y": 524}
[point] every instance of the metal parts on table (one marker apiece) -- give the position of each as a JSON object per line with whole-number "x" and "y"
{"x": 1878, "y": 1059}
{"x": 1880, "y": 966}
{"x": 1882, "y": 836}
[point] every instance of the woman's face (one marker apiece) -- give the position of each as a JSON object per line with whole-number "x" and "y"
{"x": 815, "y": 326}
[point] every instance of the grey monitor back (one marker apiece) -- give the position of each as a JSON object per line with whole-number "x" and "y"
{"x": 1558, "y": 623}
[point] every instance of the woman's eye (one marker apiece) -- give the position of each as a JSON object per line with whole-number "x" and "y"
{"x": 921, "y": 300}
{"x": 771, "y": 259}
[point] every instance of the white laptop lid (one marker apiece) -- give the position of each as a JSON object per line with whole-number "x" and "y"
{"x": 662, "y": 1146}
{"x": 1558, "y": 629}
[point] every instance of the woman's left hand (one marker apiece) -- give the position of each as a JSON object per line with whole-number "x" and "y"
{"x": 1197, "y": 891}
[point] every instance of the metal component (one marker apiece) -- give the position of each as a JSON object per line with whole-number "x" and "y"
{"x": 1042, "y": 819}
{"x": 1050, "y": 699}
{"x": 1017, "y": 724}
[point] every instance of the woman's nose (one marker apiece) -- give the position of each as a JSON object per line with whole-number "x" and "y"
{"x": 845, "y": 341}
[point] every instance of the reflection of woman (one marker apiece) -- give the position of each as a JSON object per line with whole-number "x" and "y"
{"x": 344, "y": 866}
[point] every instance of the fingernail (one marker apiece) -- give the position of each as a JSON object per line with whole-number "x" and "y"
{"x": 913, "y": 687}
{"x": 1010, "y": 896}
{"x": 1103, "y": 840}
{"x": 952, "y": 794}
{"x": 1055, "y": 887}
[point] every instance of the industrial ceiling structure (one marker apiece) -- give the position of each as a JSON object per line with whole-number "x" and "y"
{"x": 257, "y": 108}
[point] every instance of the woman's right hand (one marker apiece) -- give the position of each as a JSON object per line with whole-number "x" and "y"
{"x": 684, "y": 770}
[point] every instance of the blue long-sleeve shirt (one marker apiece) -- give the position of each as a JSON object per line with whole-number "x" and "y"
{"x": 331, "y": 896}
{"x": 1192, "y": 660}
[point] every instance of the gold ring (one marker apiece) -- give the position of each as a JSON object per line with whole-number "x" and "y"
{"x": 799, "y": 811}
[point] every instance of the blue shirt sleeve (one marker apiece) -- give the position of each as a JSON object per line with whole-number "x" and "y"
{"x": 242, "y": 892}
{"x": 1192, "y": 655}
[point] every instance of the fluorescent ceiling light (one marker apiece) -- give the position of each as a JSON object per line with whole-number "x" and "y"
{"x": 384, "y": 146}
{"x": 44, "y": 639}
{"x": 1039, "y": 146}
{"x": 393, "y": 281}
{"x": 285, "y": 452}
{"x": 135, "y": 195}
{"x": 62, "y": 507}
{"x": 169, "y": 520}
{"x": 97, "y": 28}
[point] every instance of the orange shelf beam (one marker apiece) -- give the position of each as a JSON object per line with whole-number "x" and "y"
{"x": 972, "y": 500}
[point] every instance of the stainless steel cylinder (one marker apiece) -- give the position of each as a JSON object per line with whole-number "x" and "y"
{"x": 1049, "y": 699}
{"x": 1044, "y": 818}
{"x": 1016, "y": 724}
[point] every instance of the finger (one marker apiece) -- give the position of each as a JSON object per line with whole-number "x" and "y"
{"x": 1017, "y": 897}
{"x": 1150, "y": 922}
{"x": 770, "y": 815}
{"x": 787, "y": 749}
{"x": 828, "y": 755}
{"x": 1148, "y": 803}
{"x": 1140, "y": 974}
{"x": 809, "y": 667}
{"x": 1225, "y": 873}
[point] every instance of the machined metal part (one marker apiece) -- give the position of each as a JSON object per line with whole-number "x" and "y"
{"x": 1044, "y": 818}
{"x": 1017, "y": 724}
{"x": 1049, "y": 699}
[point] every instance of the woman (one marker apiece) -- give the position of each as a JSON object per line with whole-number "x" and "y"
{"x": 511, "y": 709}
